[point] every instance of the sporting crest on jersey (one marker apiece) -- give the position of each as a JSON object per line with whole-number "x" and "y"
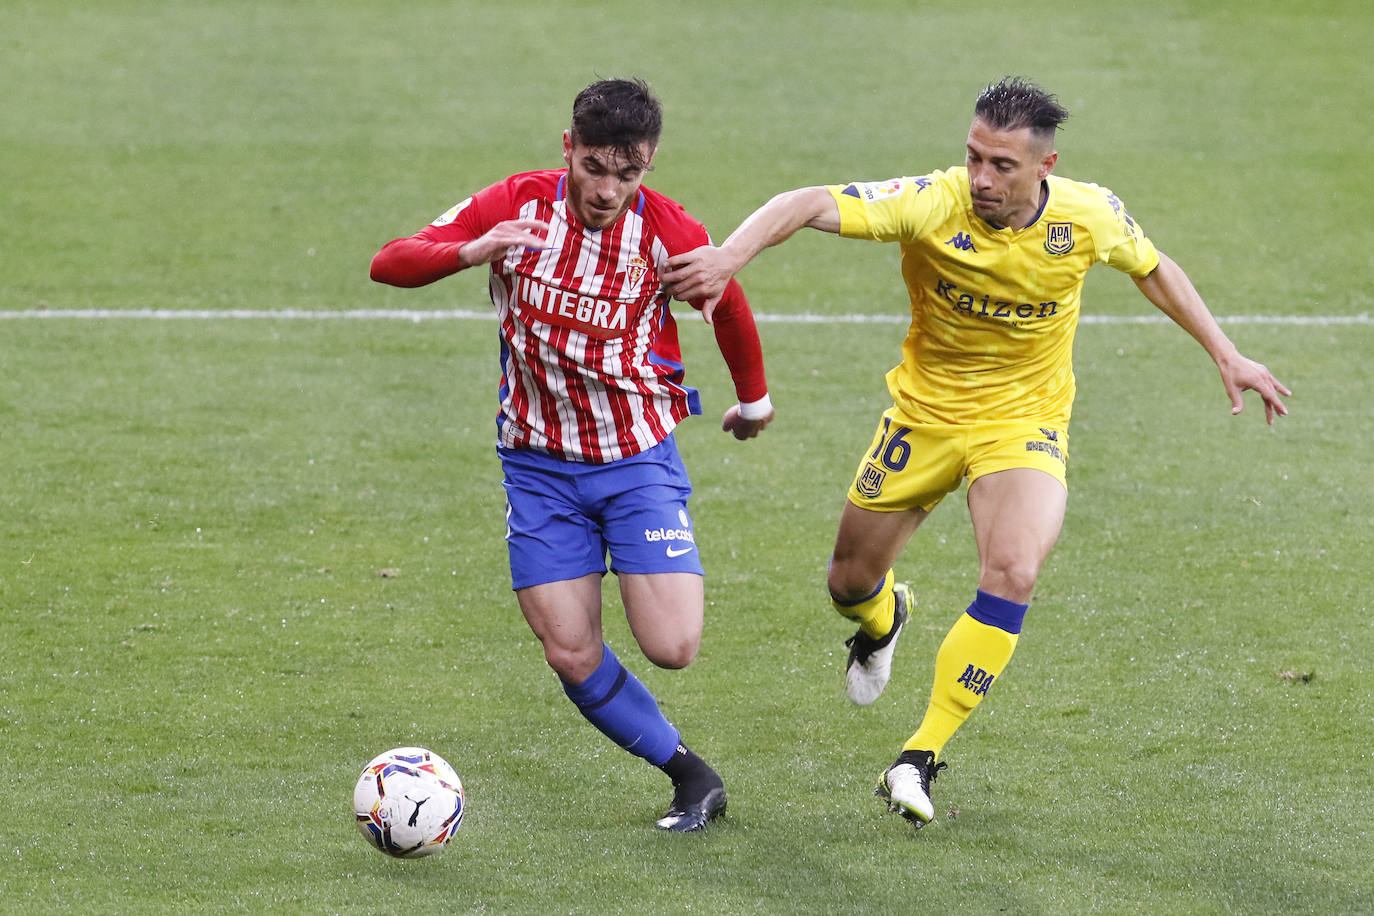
{"x": 1059, "y": 238}
{"x": 636, "y": 271}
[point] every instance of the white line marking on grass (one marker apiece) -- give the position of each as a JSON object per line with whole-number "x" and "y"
{"x": 467, "y": 314}
{"x": 1319, "y": 320}
{"x": 1316, "y": 320}
{"x": 251, "y": 314}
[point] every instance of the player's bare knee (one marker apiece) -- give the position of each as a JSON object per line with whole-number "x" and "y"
{"x": 673, "y": 655}
{"x": 1009, "y": 579}
{"x": 848, "y": 584}
{"x": 854, "y": 590}
{"x": 572, "y": 664}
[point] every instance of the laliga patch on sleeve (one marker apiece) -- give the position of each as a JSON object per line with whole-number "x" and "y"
{"x": 870, "y": 191}
{"x": 452, "y": 213}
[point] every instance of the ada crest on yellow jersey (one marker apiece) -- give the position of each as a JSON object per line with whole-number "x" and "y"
{"x": 1059, "y": 238}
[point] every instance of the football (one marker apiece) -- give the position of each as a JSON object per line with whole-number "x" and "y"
{"x": 408, "y": 802}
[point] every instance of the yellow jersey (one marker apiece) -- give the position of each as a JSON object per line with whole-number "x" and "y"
{"x": 993, "y": 310}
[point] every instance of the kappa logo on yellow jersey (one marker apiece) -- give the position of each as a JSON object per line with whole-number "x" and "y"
{"x": 963, "y": 242}
{"x": 1123, "y": 215}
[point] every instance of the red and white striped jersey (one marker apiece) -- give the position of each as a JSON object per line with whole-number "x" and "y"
{"x": 591, "y": 369}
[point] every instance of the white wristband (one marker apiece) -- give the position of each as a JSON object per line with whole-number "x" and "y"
{"x": 756, "y": 410}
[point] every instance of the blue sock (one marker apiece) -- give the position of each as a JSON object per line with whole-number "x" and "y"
{"x": 624, "y": 710}
{"x": 998, "y": 612}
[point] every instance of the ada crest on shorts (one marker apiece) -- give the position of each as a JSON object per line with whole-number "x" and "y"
{"x": 870, "y": 482}
{"x": 1059, "y": 238}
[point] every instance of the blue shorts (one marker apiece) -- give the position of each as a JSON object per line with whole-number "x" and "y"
{"x": 563, "y": 517}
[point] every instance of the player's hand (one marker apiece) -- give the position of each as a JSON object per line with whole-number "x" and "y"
{"x": 1243, "y": 374}
{"x": 502, "y": 238}
{"x": 740, "y": 428}
{"x": 701, "y": 273}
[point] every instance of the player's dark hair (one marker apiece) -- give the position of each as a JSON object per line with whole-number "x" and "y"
{"x": 1014, "y": 103}
{"x": 620, "y": 114}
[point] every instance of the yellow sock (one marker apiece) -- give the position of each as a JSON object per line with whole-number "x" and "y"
{"x": 873, "y": 613}
{"x": 971, "y": 657}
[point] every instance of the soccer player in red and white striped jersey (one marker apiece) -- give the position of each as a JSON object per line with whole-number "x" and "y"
{"x": 591, "y": 390}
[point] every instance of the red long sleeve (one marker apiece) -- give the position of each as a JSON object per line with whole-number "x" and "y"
{"x": 415, "y": 261}
{"x": 738, "y": 339}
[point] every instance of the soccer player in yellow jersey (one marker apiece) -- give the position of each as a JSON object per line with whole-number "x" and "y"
{"x": 993, "y": 255}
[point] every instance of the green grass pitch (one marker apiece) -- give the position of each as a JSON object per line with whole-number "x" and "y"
{"x": 239, "y": 557}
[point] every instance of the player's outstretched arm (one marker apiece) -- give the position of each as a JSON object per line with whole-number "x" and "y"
{"x": 427, "y": 256}
{"x": 738, "y": 339}
{"x": 501, "y": 238}
{"x": 1169, "y": 288}
{"x": 703, "y": 272}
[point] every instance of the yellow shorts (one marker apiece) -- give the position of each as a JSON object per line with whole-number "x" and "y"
{"x": 913, "y": 467}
